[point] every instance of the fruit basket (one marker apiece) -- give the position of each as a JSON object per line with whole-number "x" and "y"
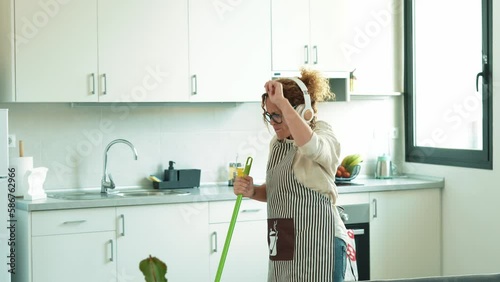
{"x": 352, "y": 174}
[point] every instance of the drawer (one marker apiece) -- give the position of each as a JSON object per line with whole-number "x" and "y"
{"x": 250, "y": 210}
{"x": 72, "y": 221}
{"x": 353, "y": 199}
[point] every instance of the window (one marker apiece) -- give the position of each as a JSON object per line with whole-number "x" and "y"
{"x": 448, "y": 82}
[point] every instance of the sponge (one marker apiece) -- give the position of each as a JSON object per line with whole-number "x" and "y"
{"x": 154, "y": 178}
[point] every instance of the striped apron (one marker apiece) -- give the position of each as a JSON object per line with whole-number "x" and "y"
{"x": 301, "y": 229}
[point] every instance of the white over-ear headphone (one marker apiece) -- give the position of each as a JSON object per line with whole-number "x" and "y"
{"x": 307, "y": 113}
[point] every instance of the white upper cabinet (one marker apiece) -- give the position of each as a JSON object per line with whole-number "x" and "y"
{"x": 143, "y": 51}
{"x": 194, "y": 50}
{"x": 56, "y": 54}
{"x": 229, "y": 50}
{"x": 102, "y": 51}
{"x": 342, "y": 35}
{"x": 375, "y": 45}
{"x": 308, "y": 33}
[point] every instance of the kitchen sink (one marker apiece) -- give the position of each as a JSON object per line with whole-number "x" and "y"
{"x": 81, "y": 196}
{"x": 114, "y": 195}
{"x": 152, "y": 193}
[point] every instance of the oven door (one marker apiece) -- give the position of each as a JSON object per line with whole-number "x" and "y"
{"x": 362, "y": 239}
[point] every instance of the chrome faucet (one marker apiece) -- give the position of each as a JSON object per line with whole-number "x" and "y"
{"x": 105, "y": 184}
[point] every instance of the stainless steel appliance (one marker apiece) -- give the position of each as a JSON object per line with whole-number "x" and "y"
{"x": 383, "y": 168}
{"x": 357, "y": 218}
{"x": 6, "y": 230}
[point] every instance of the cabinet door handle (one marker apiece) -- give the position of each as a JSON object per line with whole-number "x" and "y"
{"x": 122, "y": 218}
{"x": 315, "y": 50}
{"x": 75, "y": 221}
{"x": 358, "y": 231}
{"x": 93, "y": 83}
{"x": 374, "y": 202}
{"x": 251, "y": 210}
{"x": 306, "y": 54}
{"x": 112, "y": 250}
{"x": 105, "y": 84}
{"x": 214, "y": 242}
{"x": 194, "y": 85}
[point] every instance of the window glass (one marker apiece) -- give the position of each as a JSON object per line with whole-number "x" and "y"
{"x": 448, "y": 43}
{"x": 448, "y": 56}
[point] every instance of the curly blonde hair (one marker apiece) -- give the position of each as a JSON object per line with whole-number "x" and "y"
{"x": 317, "y": 86}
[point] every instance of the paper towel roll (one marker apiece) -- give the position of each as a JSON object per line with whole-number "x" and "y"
{"x": 22, "y": 165}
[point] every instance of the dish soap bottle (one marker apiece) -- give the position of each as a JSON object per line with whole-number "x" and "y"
{"x": 171, "y": 172}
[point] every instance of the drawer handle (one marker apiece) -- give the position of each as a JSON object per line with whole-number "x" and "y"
{"x": 75, "y": 221}
{"x": 251, "y": 210}
{"x": 358, "y": 231}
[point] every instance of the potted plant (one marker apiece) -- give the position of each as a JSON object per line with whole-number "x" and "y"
{"x": 154, "y": 269}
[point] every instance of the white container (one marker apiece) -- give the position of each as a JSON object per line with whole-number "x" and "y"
{"x": 36, "y": 179}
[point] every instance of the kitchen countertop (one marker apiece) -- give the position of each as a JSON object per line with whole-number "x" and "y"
{"x": 215, "y": 192}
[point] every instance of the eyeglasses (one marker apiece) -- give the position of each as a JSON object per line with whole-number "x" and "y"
{"x": 274, "y": 117}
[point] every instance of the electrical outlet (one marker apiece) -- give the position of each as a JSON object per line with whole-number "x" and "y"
{"x": 12, "y": 140}
{"x": 394, "y": 133}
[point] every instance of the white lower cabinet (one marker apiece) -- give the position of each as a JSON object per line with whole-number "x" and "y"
{"x": 248, "y": 253}
{"x": 174, "y": 233}
{"x": 405, "y": 234}
{"x": 67, "y": 245}
{"x": 405, "y": 231}
{"x": 79, "y": 257}
{"x": 107, "y": 244}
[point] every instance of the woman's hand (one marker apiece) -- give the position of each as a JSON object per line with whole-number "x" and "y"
{"x": 274, "y": 90}
{"x": 244, "y": 186}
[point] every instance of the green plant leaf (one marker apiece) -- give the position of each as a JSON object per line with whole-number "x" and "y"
{"x": 154, "y": 270}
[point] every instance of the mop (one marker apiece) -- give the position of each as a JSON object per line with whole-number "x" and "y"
{"x": 236, "y": 210}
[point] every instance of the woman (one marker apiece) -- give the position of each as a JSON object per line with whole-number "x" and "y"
{"x": 306, "y": 234}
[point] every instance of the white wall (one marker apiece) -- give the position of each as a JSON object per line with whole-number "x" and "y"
{"x": 471, "y": 200}
{"x": 70, "y": 140}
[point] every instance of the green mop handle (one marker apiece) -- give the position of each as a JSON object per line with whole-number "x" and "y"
{"x": 236, "y": 210}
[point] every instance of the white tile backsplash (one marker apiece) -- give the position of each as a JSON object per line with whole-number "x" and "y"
{"x": 70, "y": 141}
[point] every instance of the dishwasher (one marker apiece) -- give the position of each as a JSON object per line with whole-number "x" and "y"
{"x": 356, "y": 217}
